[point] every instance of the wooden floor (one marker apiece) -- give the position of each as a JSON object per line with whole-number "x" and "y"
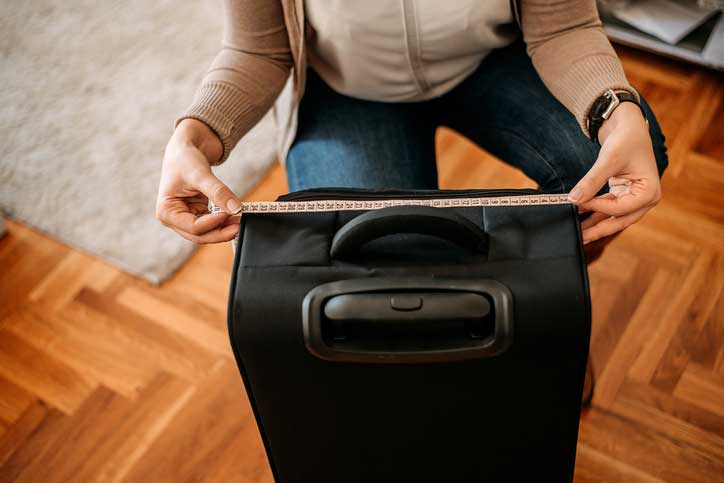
{"x": 105, "y": 378}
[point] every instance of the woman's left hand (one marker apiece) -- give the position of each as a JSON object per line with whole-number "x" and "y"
{"x": 627, "y": 162}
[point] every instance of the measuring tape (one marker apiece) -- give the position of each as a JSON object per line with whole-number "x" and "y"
{"x": 312, "y": 206}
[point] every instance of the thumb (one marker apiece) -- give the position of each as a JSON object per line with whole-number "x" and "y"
{"x": 218, "y": 192}
{"x": 589, "y": 185}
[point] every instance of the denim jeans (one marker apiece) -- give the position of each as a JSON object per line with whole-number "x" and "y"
{"x": 503, "y": 106}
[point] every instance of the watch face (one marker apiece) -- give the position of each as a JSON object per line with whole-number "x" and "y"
{"x": 599, "y": 106}
{"x": 595, "y": 116}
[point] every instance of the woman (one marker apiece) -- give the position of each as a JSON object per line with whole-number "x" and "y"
{"x": 384, "y": 74}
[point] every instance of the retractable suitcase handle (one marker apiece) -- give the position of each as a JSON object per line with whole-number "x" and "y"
{"x": 424, "y": 220}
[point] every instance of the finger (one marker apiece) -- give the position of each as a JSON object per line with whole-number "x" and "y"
{"x": 217, "y": 191}
{"x": 584, "y": 209}
{"x": 176, "y": 214}
{"x": 217, "y": 235}
{"x": 619, "y": 186}
{"x": 233, "y": 220}
{"x": 199, "y": 209}
{"x": 619, "y": 190}
{"x": 612, "y": 225}
{"x": 593, "y": 180}
{"x": 594, "y": 219}
{"x": 198, "y": 205}
{"x": 197, "y": 199}
{"x": 616, "y": 205}
{"x": 618, "y": 182}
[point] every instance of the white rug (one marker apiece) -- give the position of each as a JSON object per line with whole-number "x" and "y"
{"x": 89, "y": 92}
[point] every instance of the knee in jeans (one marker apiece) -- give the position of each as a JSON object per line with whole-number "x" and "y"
{"x": 662, "y": 158}
{"x": 657, "y": 138}
{"x": 573, "y": 157}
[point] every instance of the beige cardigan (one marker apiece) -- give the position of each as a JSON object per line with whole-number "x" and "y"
{"x": 264, "y": 40}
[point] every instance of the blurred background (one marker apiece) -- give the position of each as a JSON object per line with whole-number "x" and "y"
{"x": 89, "y": 92}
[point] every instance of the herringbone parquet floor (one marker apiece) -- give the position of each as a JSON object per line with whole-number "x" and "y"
{"x": 105, "y": 378}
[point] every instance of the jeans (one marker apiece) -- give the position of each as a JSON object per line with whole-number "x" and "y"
{"x": 503, "y": 106}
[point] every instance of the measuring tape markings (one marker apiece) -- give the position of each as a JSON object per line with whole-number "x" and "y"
{"x": 313, "y": 206}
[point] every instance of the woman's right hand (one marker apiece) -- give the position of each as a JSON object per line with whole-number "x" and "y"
{"x": 187, "y": 185}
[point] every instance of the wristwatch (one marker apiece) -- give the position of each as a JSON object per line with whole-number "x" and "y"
{"x": 604, "y": 106}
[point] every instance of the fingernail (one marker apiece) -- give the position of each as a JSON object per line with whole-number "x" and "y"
{"x": 575, "y": 194}
{"x": 233, "y": 206}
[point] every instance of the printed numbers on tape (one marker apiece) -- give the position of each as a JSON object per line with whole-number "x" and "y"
{"x": 348, "y": 205}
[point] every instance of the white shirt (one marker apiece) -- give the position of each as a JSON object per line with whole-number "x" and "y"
{"x": 403, "y": 50}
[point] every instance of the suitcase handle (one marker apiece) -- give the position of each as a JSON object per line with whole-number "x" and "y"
{"x": 410, "y": 321}
{"x": 411, "y": 307}
{"x": 423, "y": 220}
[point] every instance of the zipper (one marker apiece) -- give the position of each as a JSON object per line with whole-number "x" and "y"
{"x": 367, "y": 194}
{"x": 515, "y": 8}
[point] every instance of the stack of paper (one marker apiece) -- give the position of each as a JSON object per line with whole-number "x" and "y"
{"x": 667, "y": 20}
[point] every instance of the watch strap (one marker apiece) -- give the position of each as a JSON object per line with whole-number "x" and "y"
{"x": 604, "y": 106}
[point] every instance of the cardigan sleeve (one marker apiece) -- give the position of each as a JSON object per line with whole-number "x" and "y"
{"x": 570, "y": 52}
{"x": 247, "y": 74}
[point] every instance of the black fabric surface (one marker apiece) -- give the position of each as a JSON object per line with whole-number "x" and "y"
{"x": 513, "y": 417}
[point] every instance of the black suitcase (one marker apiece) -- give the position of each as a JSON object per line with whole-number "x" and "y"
{"x": 413, "y": 343}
